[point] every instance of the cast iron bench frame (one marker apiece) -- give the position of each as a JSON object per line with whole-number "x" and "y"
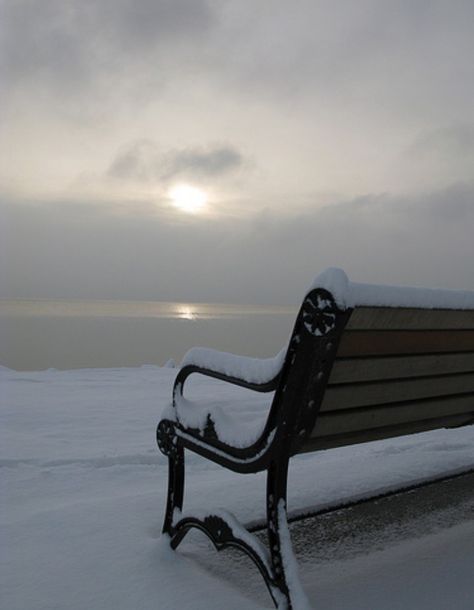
{"x": 299, "y": 389}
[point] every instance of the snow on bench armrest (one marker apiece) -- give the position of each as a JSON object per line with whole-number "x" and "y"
{"x": 251, "y": 370}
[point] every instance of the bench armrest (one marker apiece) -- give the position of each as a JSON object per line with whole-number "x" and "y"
{"x": 259, "y": 374}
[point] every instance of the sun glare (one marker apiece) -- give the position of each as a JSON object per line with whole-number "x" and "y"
{"x": 186, "y": 312}
{"x": 187, "y": 198}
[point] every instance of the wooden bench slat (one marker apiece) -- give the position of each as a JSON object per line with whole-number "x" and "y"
{"x": 316, "y": 443}
{"x": 373, "y": 369}
{"x": 390, "y": 318}
{"x": 391, "y": 415}
{"x": 377, "y": 393}
{"x": 389, "y": 342}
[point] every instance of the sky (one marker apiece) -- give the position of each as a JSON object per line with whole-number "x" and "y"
{"x": 229, "y": 151}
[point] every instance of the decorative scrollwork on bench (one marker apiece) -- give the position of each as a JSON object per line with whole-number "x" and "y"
{"x": 319, "y": 313}
{"x": 166, "y": 438}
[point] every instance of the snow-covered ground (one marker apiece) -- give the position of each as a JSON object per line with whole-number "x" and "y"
{"x": 82, "y": 497}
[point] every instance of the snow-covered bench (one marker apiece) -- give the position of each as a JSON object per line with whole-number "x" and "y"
{"x": 363, "y": 363}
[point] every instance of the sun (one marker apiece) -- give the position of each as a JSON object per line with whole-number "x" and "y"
{"x": 188, "y": 198}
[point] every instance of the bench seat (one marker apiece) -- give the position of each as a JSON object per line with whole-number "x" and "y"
{"x": 363, "y": 363}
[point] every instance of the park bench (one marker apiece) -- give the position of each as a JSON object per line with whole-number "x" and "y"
{"x": 363, "y": 363}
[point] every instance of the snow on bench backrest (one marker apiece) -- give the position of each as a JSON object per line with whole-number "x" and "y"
{"x": 349, "y": 294}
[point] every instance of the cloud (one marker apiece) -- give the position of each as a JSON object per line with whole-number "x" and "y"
{"x": 206, "y": 163}
{"x": 403, "y": 54}
{"x": 143, "y": 161}
{"x": 89, "y": 251}
{"x": 75, "y": 42}
{"x": 406, "y": 56}
{"x": 438, "y": 157}
{"x": 324, "y": 95}
{"x": 453, "y": 142}
{"x": 451, "y": 205}
{"x": 139, "y": 161}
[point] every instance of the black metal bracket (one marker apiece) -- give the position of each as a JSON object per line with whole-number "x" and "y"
{"x": 225, "y": 531}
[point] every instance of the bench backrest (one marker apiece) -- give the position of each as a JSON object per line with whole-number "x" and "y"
{"x": 397, "y": 371}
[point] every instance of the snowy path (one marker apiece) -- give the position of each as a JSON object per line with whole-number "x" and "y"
{"x": 82, "y": 488}
{"x": 431, "y": 573}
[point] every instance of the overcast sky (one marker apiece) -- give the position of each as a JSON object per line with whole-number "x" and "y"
{"x": 336, "y": 133}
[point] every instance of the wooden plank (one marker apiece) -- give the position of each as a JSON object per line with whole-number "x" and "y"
{"x": 375, "y": 434}
{"x": 391, "y": 342}
{"x": 350, "y": 396}
{"x": 344, "y": 422}
{"x": 374, "y": 369}
{"x": 396, "y": 318}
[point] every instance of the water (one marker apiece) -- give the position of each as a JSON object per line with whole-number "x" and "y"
{"x": 65, "y": 334}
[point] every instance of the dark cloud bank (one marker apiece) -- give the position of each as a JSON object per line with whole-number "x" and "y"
{"x": 67, "y": 250}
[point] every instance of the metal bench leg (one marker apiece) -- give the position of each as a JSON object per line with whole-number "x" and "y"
{"x": 225, "y": 531}
{"x": 283, "y": 561}
{"x": 276, "y": 497}
{"x": 168, "y": 444}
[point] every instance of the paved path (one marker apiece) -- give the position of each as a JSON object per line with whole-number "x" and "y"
{"x": 376, "y": 524}
{"x": 382, "y": 536}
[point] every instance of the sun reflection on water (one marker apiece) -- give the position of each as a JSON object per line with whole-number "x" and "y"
{"x": 187, "y": 312}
